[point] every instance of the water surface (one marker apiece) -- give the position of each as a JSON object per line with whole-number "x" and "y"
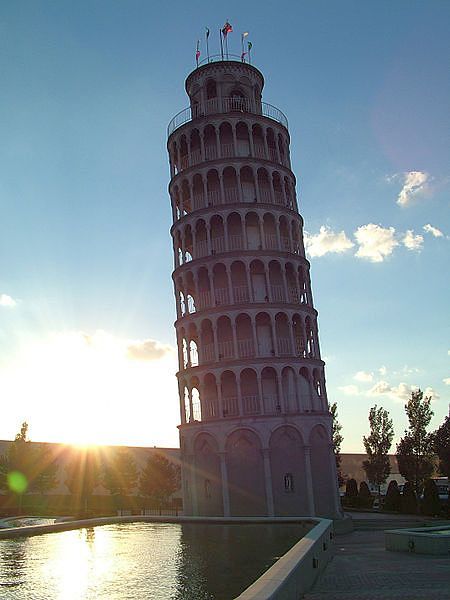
{"x": 142, "y": 561}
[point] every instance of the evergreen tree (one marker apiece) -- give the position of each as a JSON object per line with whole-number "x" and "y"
{"x": 364, "y": 496}
{"x": 430, "y": 504}
{"x": 415, "y": 451}
{"x": 337, "y": 439}
{"x": 83, "y": 475}
{"x": 159, "y": 479}
{"x": 377, "y": 445}
{"x": 393, "y": 497}
{"x": 120, "y": 473}
{"x": 408, "y": 502}
{"x": 442, "y": 447}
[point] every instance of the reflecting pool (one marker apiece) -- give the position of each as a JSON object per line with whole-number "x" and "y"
{"x": 142, "y": 561}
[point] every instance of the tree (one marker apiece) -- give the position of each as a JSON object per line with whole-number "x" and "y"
{"x": 27, "y": 467}
{"x": 365, "y": 499}
{"x": 337, "y": 439}
{"x": 83, "y": 475}
{"x": 442, "y": 447}
{"x": 393, "y": 497}
{"x": 120, "y": 473}
{"x": 408, "y": 502}
{"x": 377, "y": 445}
{"x": 159, "y": 479}
{"x": 430, "y": 504}
{"x": 415, "y": 451}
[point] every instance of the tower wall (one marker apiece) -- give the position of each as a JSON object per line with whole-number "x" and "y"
{"x": 255, "y": 429}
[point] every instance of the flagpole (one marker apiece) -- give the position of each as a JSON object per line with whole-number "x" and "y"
{"x": 221, "y": 42}
{"x": 207, "y": 43}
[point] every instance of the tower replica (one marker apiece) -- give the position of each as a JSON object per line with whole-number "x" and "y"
{"x": 255, "y": 431}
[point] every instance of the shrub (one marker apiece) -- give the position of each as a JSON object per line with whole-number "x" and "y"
{"x": 408, "y": 504}
{"x": 393, "y": 497}
{"x": 351, "y": 493}
{"x": 430, "y": 504}
{"x": 365, "y": 499}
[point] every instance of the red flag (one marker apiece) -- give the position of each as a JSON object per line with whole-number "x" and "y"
{"x": 226, "y": 29}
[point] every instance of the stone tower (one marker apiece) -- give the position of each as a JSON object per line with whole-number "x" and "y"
{"x": 255, "y": 429}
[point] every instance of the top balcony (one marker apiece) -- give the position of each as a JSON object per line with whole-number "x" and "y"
{"x": 226, "y": 105}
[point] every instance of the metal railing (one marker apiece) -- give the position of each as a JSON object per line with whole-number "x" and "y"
{"x": 226, "y": 105}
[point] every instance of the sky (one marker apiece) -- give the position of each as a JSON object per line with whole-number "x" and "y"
{"x": 87, "y": 344}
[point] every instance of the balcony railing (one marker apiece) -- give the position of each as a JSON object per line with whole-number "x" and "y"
{"x": 227, "y": 105}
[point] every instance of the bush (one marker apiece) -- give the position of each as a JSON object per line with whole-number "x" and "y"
{"x": 430, "y": 504}
{"x": 408, "y": 503}
{"x": 351, "y": 493}
{"x": 365, "y": 499}
{"x": 393, "y": 497}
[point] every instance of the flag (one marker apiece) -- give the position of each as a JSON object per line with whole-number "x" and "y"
{"x": 243, "y": 56}
{"x": 207, "y": 32}
{"x": 226, "y": 29}
{"x": 197, "y": 52}
{"x": 245, "y": 34}
{"x": 250, "y": 46}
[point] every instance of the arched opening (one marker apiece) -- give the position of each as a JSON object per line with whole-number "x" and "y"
{"x": 208, "y": 476}
{"x": 207, "y": 342}
{"x": 281, "y": 149}
{"x": 187, "y": 405}
{"x": 289, "y": 194}
{"x": 245, "y": 474}
{"x": 269, "y": 384}
{"x": 196, "y": 152}
{"x": 258, "y": 141}
{"x": 277, "y": 188}
{"x": 258, "y": 279}
{"x": 220, "y": 284}
{"x": 198, "y": 199}
{"x": 239, "y": 282}
{"x": 210, "y": 402}
{"x": 248, "y": 185}
{"x": 230, "y": 186}
{"x": 201, "y": 240}
{"x": 310, "y": 338}
{"x": 305, "y": 390}
{"x": 193, "y": 345}
{"x": 252, "y": 231}
{"x": 284, "y": 235}
{"x": 264, "y": 186}
{"x": 184, "y": 155}
{"x": 271, "y": 145}
{"x": 196, "y": 402}
{"x": 211, "y": 89}
{"x": 217, "y": 235}
{"x": 299, "y": 335}
{"x": 225, "y": 338}
{"x": 287, "y": 465}
{"x": 302, "y": 285}
{"x": 276, "y": 282}
{"x": 213, "y": 187}
{"x": 295, "y": 234}
{"x": 188, "y": 244}
{"x": 270, "y": 232}
{"x": 237, "y": 101}
{"x": 190, "y": 293}
{"x": 229, "y": 394}
{"x": 283, "y": 335}
{"x": 210, "y": 141}
{"x": 244, "y": 334}
{"x": 234, "y": 225}
{"x": 185, "y": 192}
{"x": 204, "y": 288}
{"x": 291, "y": 282}
{"x": 242, "y": 139}
{"x": 226, "y": 140}
{"x": 289, "y": 385}
{"x": 250, "y": 393}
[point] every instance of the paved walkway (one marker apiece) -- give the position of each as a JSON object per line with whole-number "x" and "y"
{"x": 362, "y": 569}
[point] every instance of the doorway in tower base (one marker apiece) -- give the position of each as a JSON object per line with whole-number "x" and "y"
{"x": 208, "y": 480}
{"x": 245, "y": 474}
{"x": 287, "y": 465}
{"x": 322, "y": 473}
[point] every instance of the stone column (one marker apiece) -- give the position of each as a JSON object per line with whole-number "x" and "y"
{"x": 309, "y": 481}
{"x": 225, "y": 490}
{"x": 268, "y": 482}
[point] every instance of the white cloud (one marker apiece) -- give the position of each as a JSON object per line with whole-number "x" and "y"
{"x": 382, "y": 371}
{"x": 350, "y": 390}
{"x": 446, "y": 380}
{"x": 363, "y": 376}
{"x": 327, "y": 241}
{"x": 148, "y": 350}
{"x": 415, "y": 184}
{"x": 401, "y": 392}
{"x": 6, "y": 300}
{"x": 375, "y": 242}
{"x": 433, "y": 230}
{"x": 413, "y": 242}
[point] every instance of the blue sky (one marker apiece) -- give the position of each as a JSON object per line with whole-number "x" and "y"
{"x": 86, "y": 301}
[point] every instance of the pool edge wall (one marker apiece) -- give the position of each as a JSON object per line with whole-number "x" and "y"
{"x": 418, "y": 541}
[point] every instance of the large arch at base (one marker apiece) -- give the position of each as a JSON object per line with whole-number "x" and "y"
{"x": 208, "y": 479}
{"x": 287, "y": 464}
{"x": 322, "y": 472}
{"x": 245, "y": 474}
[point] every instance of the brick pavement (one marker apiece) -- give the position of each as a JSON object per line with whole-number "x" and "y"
{"x": 362, "y": 569}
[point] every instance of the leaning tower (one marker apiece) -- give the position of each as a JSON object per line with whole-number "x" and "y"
{"x": 255, "y": 430}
